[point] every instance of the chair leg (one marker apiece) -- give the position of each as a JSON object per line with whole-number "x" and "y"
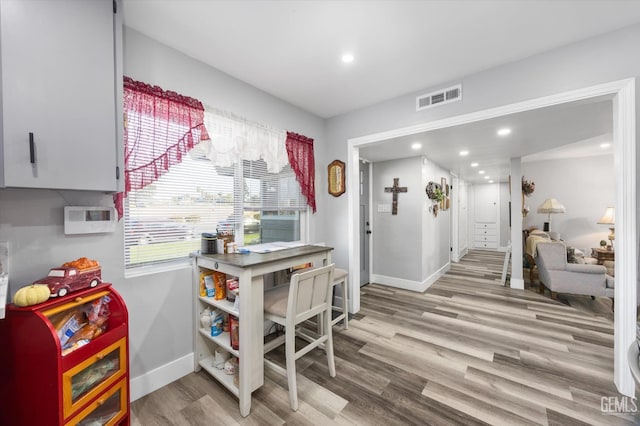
{"x": 541, "y": 289}
{"x": 290, "y": 349}
{"x": 554, "y": 295}
{"x": 345, "y": 302}
{"x": 329, "y": 343}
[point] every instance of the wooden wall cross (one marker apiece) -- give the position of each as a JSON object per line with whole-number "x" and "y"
{"x": 395, "y": 189}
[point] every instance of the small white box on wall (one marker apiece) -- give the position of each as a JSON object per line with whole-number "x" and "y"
{"x": 89, "y": 220}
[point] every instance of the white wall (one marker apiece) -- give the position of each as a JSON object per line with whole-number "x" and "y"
{"x": 504, "y": 228}
{"x": 436, "y": 231}
{"x": 411, "y": 248}
{"x": 463, "y": 217}
{"x": 397, "y": 244}
{"x": 585, "y": 186}
{"x": 160, "y": 305}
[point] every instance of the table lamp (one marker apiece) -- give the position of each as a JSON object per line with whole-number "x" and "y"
{"x": 550, "y": 205}
{"x": 609, "y": 218}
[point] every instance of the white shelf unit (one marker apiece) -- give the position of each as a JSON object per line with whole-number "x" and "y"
{"x": 222, "y": 340}
{"x": 219, "y": 375}
{"x": 206, "y": 344}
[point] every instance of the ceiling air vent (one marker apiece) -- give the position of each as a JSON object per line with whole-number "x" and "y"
{"x": 440, "y": 97}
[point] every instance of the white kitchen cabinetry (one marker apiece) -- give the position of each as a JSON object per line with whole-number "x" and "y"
{"x": 61, "y": 77}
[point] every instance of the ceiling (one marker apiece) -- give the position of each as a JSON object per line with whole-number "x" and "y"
{"x": 293, "y": 49}
{"x": 569, "y": 130}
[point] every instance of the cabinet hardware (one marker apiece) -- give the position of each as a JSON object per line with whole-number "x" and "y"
{"x": 32, "y": 149}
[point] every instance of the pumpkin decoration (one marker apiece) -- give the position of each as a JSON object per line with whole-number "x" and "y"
{"x": 31, "y": 295}
{"x": 82, "y": 263}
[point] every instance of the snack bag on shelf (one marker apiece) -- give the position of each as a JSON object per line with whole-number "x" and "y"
{"x": 232, "y": 288}
{"x": 234, "y": 325}
{"x": 203, "y": 288}
{"x": 220, "y": 282}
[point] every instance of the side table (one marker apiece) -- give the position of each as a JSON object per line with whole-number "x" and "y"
{"x": 603, "y": 254}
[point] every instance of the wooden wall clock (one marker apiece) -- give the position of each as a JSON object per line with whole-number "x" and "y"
{"x": 336, "y": 178}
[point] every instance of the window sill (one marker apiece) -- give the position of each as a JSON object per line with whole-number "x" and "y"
{"x": 158, "y": 269}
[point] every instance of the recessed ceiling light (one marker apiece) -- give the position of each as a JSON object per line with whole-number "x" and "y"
{"x": 347, "y": 58}
{"x": 504, "y": 131}
{"x": 474, "y": 164}
{"x": 486, "y": 177}
{"x": 491, "y": 181}
{"x": 416, "y": 145}
{"x": 605, "y": 145}
{"x": 481, "y": 172}
{"x": 463, "y": 153}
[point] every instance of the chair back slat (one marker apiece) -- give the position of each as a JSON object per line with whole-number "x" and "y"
{"x": 310, "y": 292}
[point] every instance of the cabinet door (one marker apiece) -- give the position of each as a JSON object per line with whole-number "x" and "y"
{"x": 108, "y": 410}
{"x": 83, "y": 382}
{"x": 486, "y": 203}
{"x": 58, "y": 83}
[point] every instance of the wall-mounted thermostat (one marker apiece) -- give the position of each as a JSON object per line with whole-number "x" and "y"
{"x": 89, "y": 220}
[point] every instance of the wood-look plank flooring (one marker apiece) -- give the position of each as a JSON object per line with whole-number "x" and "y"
{"x": 466, "y": 352}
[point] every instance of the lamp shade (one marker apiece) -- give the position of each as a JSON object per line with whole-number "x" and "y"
{"x": 551, "y": 205}
{"x": 609, "y": 217}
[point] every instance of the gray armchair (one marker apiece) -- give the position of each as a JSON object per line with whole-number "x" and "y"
{"x": 561, "y": 277}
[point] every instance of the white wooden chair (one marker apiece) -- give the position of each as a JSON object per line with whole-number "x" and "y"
{"x": 309, "y": 295}
{"x": 341, "y": 277}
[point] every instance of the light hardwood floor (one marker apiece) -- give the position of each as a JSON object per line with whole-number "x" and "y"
{"x": 465, "y": 352}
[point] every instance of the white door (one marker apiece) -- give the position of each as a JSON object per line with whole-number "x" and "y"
{"x": 486, "y": 203}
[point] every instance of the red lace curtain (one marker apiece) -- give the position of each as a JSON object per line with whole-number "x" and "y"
{"x": 160, "y": 127}
{"x": 301, "y": 160}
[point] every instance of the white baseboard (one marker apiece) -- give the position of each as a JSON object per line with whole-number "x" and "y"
{"x": 463, "y": 252}
{"x": 410, "y": 284}
{"x": 161, "y": 376}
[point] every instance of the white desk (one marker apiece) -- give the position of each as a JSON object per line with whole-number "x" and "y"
{"x": 249, "y": 268}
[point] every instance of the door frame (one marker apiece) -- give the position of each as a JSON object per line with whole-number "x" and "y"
{"x": 369, "y": 167}
{"x": 624, "y": 140}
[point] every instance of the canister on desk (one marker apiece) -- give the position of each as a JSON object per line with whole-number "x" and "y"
{"x": 209, "y": 244}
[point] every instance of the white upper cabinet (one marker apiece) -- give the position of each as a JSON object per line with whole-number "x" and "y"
{"x": 59, "y": 91}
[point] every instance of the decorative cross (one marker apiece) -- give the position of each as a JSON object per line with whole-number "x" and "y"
{"x": 395, "y": 189}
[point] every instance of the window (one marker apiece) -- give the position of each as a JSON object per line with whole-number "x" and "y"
{"x": 164, "y": 221}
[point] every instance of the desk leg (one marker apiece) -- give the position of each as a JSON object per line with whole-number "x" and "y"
{"x": 251, "y": 338}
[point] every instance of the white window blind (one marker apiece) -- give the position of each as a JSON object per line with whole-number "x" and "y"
{"x": 164, "y": 221}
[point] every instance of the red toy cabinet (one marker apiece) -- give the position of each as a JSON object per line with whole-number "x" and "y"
{"x": 42, "y": 385}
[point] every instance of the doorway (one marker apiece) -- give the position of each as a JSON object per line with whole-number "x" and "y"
{"x": 625, "y": 159}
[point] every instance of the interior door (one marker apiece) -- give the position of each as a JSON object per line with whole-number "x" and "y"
{"x": 365, "y": 225}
